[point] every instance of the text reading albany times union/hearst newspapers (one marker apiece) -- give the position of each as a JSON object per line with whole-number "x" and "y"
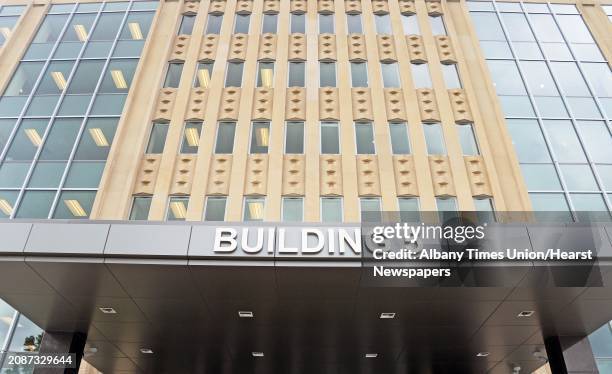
{"x": 404, "y": 250}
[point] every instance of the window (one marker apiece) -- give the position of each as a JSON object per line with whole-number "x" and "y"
{"x": 215, "y": 208}
{"x": 541, "y": 177}
{"x": 187, "y": 24}
{"x": 468, "y": 140}
{"x": 118, "y": 76}
{"x": 359, "y": 74}
{"x": 107, "y": 27}
{"x": 253, "y": 209}
{"x": 331, "y": 209}
{"x": 173, "y": 75}
{"x": 97, "y": 138}
{"x": 177, "y": 208}
{"x": 74, "y": 205}
{"x": 326, "y": 24}
{"x": 213, "y": 26}
{"x": 383, "y": 24}
{"x": 409, "y": 209}
{"x": 293, "y": 209}
{"x": 597, "y": 140}
{"x": 294, "y": 138}
{"x": 327, "y": 74}
{"x": 203, "y": 74}
{"x": 24, "y": 79}
{"x": 437, "y": 25}
{"x": 191, "y": 137}
{"x": 241, "y": 25}
{"x": 370, "y": 209}
{"x": 434, "y": 139}
{"x": 451, "y": 77}
{"x": 265, "y": 74}
{"x": 354, "y": 23}
{"x": 411, "y": 25}
{"x": 484, "y": 209}
{"x": 296, "y": 74}
{"x": 269, "y": 23}
{"x": 298, "y": 23}
{"x": 35, "y": 204}
{"x": 564, "y": 141}
{"x": 420, "y": 75}
{"x": 400, "y": 144}
{"x": 260, "y": 137}
{"x": 140, "y": 208}
{"x": 157, "y": 140}
{"x": 234, "y": 74}
{"x": 390, "y": 75}
{"x": 86, "y": 77}
{"x": 364, "y": 134}
{"x": 447, "y": 208}
{"x": 6, "y": 25}
{"x": 330, "y": 138}
{"x": 528, "y": 140}
{"x": 225, "y": 138}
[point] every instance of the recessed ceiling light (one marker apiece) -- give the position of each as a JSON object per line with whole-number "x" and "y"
{"x": 98, "y": 137}
{"x": 387, "y": 315}
{"x": 108, "y": 310}
{"x": 482, "y": 354}
{"x": 192, "y": 135}
{"x": 146, "y": 351}
{"x": 257, "y": 354}
{"x": 526, "y": 313}
{"x": 119, "y": 79}
{"x": 81, "y": 32}
{"x": 371, "y": 355}
{"x": 203, "y": 78}
{"x": 75, "y": 208}
{"x": 6, "y": 207}
{"x": 245, "y": 314}
{"x": 135, "y": 30}
{"x": 34, "y": 137}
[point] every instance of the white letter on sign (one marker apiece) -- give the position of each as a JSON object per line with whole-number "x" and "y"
{"x": 225, "y": 240}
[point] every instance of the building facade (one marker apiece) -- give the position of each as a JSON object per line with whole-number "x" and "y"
{"x": 311, "y": 111}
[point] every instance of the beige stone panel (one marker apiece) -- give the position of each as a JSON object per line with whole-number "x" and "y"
{"x": 297, "y": 47}
{"x": 380, "y": 6}
{"x": 362, "y": 104}
{"x": 352, "y": 6}
{"x": 296, "y": 104}
{"x": 325, "y": 6}
{"x": 428, "y": 106}
{"x": 220, "y": 172}
{"x": 330, "y": 175}
{"x": 420, "y": 159}
{"x": 298, "y": 6}
{"x": 368, "y": 183}
{"x": 262, "y": 104}
{"x": 442, "y": 177}
{"x": 180, "y": 48}
{"x": 230, "y": 103}
{"x": 445, "y": 49}
{"x": 327, "y": 47}
{"x": 460, "y": 105}
{"x": 477, "y": 174}
{"x": 165, "y": 103}
{"x": 183, "y": 174}
{"x": 407, "y": 7}
{"x": 256, "y": 179}
{"x": 208, "y": 50}
{"x": 197, "y": 104}
{"x": 294, "y": 180}
{"x": 244, "y": 6}
{"x": 386, "y": 48}
{"x": 329, "y": 103}
{"x": 271, "y": 6}
{"x": 434, "y": 8}
{"x": 405, "y": 176}
{"x": 416, "y": 49}
{"x": 147, "y": 175}
{"x": 217, "y": 7}
{"x": 190, "y": 7}
{"x": 394, "y": 103}
{"x": 267, "y": 47}
{"x": 357, "y": 47}
{"x": 238, "y": 48}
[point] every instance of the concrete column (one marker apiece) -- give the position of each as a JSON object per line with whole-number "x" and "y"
{"x": 62, "y": 343}
{"x": 570, "y": 355}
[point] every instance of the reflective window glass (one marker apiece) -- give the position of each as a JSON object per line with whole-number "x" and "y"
{"x": 6, "y": 127}
{"x": 74, "y": 205}
{"x": 61, "y": 139}
{"x": 118, "y": 76}
{"x": 203, "y": 75}
{"x": 409, "y": 209}
{"x": 298, "y": 23}
{"x": 434, "y": 139}
{"x": 215, "y": 209}
{"x": 84, "y": 174}
{"x": 469, "y": 146}
{"x": 269, "y": 23}
{"x": 51, "y": 28}
{"x": 294, "y": 137}
{"x": 541, "y": 177}
{"x": 327, "y": 71}
{"x": 47, "y": 174}
{"x": 225, "y": 138}
{"x": 97, "y": 138}
{"x": 578, "y": 177}
{"x": 7, "y": 206}
{"x": 107, "y": 26}
{"x": 191, "y": 137}
{"x": 354, "y": 23}
{"x": 27, "y": 140}
{"x": 293, "y": 209}
{"x": 86, "y": 77}
{"x": 173, "y": 75}
{"x": 600, "y": 78}
{"x": 140, "y": 208}
{"x": 24, "y": 79}
{"x": 241, "y": 24}
{"x": 35, "y": 204}
{"x": 265, "y": 74}
{"x": 390, "y": 75}
{"x": 400, "y": 144}
{"x": 564, "y": 141}
{"x": 260, "y": 137}
{"x": 383, "y": 24}
{"x": 597, "y": 140}
{"x": 177, "y": 208}
{"x": 359, "y": 74}
{"x": 213, "y": 25}
{"x": 296, "y": 74}
{"x": 234, "y": 74}
{"x": 420, "y": 75}
{"x": 186, "y": 24}
{"x": 370, "y": 209}
{"x": 364, "y": 134}
{"x": 488, "y": 27}
{"x": 528, "y": 140}
{"x": 137, "y": 26}
{"x": 326, "y": 24}
{"x": 331, "y": 209}
{"x": 410, "y": 25}
{"x": 27, "y": 336}
{"x": 330, "y": 138}
{"x": 253, "y": 209}
{"x": 55, "y": 78}
{"x": 437, "y": 25}
{"x": 538, "y": 78}
{"x": 451, "y": 76}
{"x": 157, "y": 140}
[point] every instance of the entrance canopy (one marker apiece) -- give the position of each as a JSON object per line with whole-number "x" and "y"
{"x": 158, "y": 298}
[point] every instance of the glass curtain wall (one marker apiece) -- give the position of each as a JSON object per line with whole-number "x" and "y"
{"x": 59, "y": 112}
